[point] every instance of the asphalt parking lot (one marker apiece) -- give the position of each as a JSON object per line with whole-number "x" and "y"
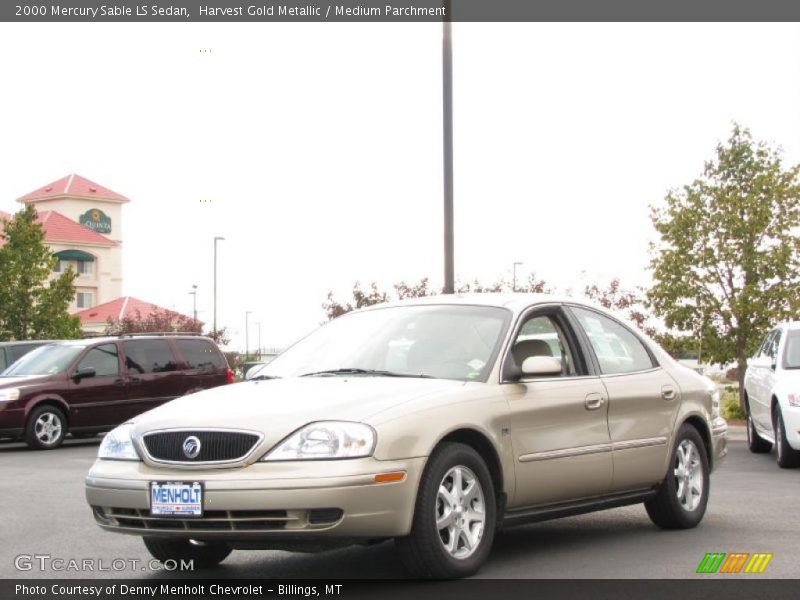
{"x": 753, "y": 508}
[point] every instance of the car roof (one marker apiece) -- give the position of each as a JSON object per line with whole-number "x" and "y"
{"x": 105, "y": 339}
{"x": 516, "y": 302}
{"x": 24, "y": 343}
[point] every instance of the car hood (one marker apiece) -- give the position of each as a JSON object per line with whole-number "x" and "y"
{"x": 278, "y": 407}
{"x": 22, "y": 380}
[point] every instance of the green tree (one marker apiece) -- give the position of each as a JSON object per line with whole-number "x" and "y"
{"x": 157, "y": 321}
{"x": 32, "y": 304}
{"x": 726, "y": 266}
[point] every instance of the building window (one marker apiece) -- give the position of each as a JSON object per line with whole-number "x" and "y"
{"x": 85, "y": 267}
{"x": 61, "y": 266}
{"x": 84, "y": 299}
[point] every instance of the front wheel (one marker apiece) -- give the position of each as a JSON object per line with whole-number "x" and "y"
{"x": 46, "y": 428}
{"x": 681, "y": 501}
{"x": 203, "y": 555}
{"x": 788, "y": 457}
{"x": 454, "y": 518}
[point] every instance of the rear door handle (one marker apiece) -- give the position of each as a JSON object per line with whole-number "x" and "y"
{"x": 135, "y": 381}
{"x": 593, "y": 401}
{"x": 119, "y": 382}
{"x": 668, "y": 392}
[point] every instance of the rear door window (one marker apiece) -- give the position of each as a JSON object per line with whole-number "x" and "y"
{"x": 21, "y": 350}
{"x": 618, "y": 350}
{"x": 149, "y": 356}
{"x": 200, "y": 354}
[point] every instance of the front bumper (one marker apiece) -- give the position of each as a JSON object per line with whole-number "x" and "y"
{"x": 292, "y": 500}
{"x": 719, "y": 441}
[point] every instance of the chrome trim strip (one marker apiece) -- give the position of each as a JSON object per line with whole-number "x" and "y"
{"x": 596, "y": 449}
{"x": 565, "y": 453}
{"x": 641, "y": 443}
{"x": 139, "y": 443}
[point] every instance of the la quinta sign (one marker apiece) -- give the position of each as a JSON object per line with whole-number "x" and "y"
{"x": 96, "y": 220}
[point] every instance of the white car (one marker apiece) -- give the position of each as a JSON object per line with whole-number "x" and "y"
{"x": 772, "y": 395}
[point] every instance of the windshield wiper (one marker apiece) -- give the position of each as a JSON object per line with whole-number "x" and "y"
{"x": 357, "y": 371}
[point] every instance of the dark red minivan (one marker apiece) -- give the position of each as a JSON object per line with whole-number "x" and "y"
{"x": 92, "y": 385}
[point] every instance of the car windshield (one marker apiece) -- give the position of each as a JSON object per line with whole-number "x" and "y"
{"x": 45, "y": 360}
{"x": 441, "y": 341}
{"x": 791, "y": 355}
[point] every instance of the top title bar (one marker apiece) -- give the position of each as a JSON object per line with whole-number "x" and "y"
{"x": 401, "y": 10}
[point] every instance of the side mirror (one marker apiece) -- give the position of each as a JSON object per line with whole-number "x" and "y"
{"x": 84, "y": 373}
{"x": 541, "y": 365}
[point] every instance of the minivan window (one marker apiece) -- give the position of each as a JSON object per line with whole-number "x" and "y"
{"x": 200, "y": 354}
{"x": 44, "y": 360}
{"x": 103, "y": 360}
{"x": 618, "y": 350}
{"x": 149, "y": 356}
{"x": 791, "y": 354}
{"x": 19, "y": 350}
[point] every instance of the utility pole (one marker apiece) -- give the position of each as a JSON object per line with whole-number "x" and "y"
{"x": 247, "y": 334}
{"x": 194, "y": 302}
{"x": 514, "y": 282}
{"x": 216, "y": 239}
{"x": 447, "y": 140}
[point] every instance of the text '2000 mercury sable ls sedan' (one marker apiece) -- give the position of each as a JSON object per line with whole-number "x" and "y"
{"x": 431, "y": 421}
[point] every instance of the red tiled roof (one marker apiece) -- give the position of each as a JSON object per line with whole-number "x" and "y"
{"x": 58, "y": 228}
{"x": 73, "y": 185}
{"x": 124, "y": 306}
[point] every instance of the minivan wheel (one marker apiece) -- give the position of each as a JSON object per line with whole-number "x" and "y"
{"x": 755, "y": 442}
{"x": 788, "y": 457}
{"x": 454, "y": 517}
{"x": 203, "y": 554}
{"x": 682, "y": 498}
{"x": 46, "y": 428}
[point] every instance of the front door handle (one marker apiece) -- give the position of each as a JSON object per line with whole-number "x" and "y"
{"x": 594, "y": 401}
{"x": 119, "y": 383}
{"x": 668, "y": 392}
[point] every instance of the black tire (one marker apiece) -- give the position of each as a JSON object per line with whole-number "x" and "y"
{"x": 667, "y": 509}
{"x": 36, "y": 435}
{"x": 755, "y": 442}
{"x": 788, "y": 457}
{"x": 204, "y": 555}
{"x": 423, "y": 552}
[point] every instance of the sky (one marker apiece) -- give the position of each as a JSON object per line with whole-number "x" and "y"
{"x": 315, "y": 149}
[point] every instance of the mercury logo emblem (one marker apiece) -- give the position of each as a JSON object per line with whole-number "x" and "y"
{"x": 191, "y": 446}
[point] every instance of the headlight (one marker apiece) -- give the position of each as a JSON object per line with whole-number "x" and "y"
{"x": 326, "y": 440}
{"x": 794, "y": 400}
{"x": 117, "y": 445}
{"x": 9, "y": 395}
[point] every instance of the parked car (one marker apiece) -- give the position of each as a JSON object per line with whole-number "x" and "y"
{"x": 497, "y": 410}
{"x": 772, "y": 395}
{"x": 10, "y": 352}
{"x": 91, "y": 385}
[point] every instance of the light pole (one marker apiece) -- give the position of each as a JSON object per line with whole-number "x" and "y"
{"x": 447, "y": 142}
{"x": 216, "y": 239}
{"x": 259, "y": 339}
{"x": 194, "y": 302}
{"x": 247, "y": 333}
{"x": 514, "y": 281}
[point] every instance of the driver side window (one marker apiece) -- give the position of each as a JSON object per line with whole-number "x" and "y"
{"x": 541, "y": 335}
{"x": 103, "y": 360}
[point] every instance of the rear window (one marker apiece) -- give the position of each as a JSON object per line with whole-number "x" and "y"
{"x": 200, "y": 354}
{"x": 20, "y": 350}
{"x": 149, "y": 356}
{"x": 3, "y": 363}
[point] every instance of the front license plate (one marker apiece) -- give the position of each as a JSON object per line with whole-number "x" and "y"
{"x": 176, "y": 499}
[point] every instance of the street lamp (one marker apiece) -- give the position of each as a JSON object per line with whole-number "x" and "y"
{"x": 216, "y": 239}
{"x": 247, "y": 334}
{"x": 514, "y": 282}
{"x": 447, "y": 144}
{"x": 194, "y": 302}
{"x": 259, "y": 339}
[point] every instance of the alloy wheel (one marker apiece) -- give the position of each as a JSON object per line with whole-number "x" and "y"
{"x": 460, "y": 512}
{"x": 688, "y": 475}
{"x": 48, "y": 428}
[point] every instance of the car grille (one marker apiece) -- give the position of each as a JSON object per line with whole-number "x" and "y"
{"x": 212, "y": 520}
{"x": 215, "y": 446}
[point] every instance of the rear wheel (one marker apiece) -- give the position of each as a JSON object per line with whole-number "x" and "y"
{"x": 788, "y": 457}
{"x": 454, "y": 517}
{"x": 681, "y": 501}
{"x": 203, "y": 554}
{"x": 46, "y": 428}
{"x": 755, "y": 442}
